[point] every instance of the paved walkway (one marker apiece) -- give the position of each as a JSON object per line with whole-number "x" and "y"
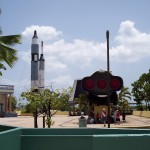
{"x": 64, "y": 121}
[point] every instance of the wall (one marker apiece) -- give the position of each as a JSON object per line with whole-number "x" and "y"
{"x": 10, "y": 138}
{"x": 85, "y": 139}
{"x": 98, "y": 109}
{"x": 142, "y": 113}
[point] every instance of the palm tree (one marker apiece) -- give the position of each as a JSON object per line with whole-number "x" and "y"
{"x": 83, "y": 102}
{"x": 123, "y": 98}
{"x": 8, "y": 55}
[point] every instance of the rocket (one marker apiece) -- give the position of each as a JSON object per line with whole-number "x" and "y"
{"x": 34, "y": 62}
{"x": 41, "y": 68}
{"x": 37, "y": 65}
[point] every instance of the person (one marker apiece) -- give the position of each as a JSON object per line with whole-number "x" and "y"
{"x": 92, "y": 117}
{"x": 117, "y": 117}
{"x": 97, "y": 118}
{"x": 104, "y": 116}
{"x": 123, "y": 116}
{"x": 92, "y": 114}
{"x": 114, "y": 116}
{"x": 91, "y": 120}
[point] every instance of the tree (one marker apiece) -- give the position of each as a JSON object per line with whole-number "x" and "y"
{"x": 137, "y": 92}
{"x": 141, "y": 89}
{"x": 33, "y": 99}
{"x": 50, "y": 100}
{"x": 63, "y": 99}
{"x": 35, "y": 102}
{"x": 46, "y": 100}
{"x": 124, "y": 96}
{"x": 8, "y": 55}
{"x": 14, "y": 103}
{"x": 83, "y": 102}
{"x": 29, "y": 108}
{"x": 21, "y": 104}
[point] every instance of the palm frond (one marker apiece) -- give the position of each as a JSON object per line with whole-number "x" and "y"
{"x": 2, "y": 67}
{"x": 10, "y": 40}
{"x": 128, "y": 97}
{"x": 8, "y": 55}
{"x": 124, "y": 95}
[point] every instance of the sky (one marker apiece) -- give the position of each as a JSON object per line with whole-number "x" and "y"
{"x": 74, "y": 36}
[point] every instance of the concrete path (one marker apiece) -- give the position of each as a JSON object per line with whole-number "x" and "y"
{"x": 64, "y": 121}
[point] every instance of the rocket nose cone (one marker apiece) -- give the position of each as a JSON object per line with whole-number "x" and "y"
{"x": 35, "y": 34}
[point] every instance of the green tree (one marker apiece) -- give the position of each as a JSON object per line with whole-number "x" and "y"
{"x": 141, "y": 89}
{"x": 63, "y": 99}
{"x": 47, "y": 100}
{"x": 50, "y": 100}
{"x": 35, "y": 102}
{"x": 14, "y": 103}
{"x": 137, "y": 92}
{"x": 29, "y": 108}
{"x": 124, "y": 96}
{"x": 83, "y": 102}
{"x": 34, "y": 99}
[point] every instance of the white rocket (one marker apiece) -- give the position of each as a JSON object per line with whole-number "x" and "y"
{"x": 41, "y": 68}
{"x": 37, "y": 65}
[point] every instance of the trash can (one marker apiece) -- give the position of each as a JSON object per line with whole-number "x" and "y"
{"x": 82, "y": 122}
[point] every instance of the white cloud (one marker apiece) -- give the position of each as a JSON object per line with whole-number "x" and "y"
{"x": 79, "y": 52}
{"x": 25, "y": 56}
{"x": 46, "y": 33}
{"x": 62, "y": 81}
{"x": 132, "y": 45}
{"x": 53, "y": 64}
{"x": 64, "y": 58}
{"x": 66, "y": 61}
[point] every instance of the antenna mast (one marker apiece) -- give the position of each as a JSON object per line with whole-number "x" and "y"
{"x": 42, "y": 47}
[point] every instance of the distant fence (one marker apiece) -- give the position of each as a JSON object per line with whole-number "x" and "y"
{"x": 142, "y": 113}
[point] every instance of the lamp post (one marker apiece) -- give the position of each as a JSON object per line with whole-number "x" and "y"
{"x": 108, "y": 70}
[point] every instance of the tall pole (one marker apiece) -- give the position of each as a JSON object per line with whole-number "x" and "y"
{"x": 108, "y": 70}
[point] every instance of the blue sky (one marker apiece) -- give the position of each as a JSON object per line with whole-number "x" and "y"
{"x": 74, "y": 35}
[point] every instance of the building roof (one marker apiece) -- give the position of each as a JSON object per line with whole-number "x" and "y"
{"x": 6, "y": 89}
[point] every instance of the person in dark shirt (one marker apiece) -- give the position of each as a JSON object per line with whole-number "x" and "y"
{"x": 123, "y": 116}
